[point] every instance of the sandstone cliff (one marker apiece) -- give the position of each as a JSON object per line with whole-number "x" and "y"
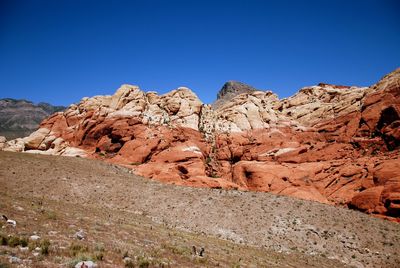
{"x": 327, "y": 143}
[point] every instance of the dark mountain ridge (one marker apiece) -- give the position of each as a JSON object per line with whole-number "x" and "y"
{"x": 18, "y": 118}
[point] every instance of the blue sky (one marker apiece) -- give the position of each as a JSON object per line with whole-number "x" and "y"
{"x": 60, "y": 51}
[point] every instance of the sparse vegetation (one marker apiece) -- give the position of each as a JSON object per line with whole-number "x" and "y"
{"x": 129, "y": 264}
{"x": 76, "y": 249}
{"x": 45, "y": 247}
{"x": 51, "y": 215}
{"x": 13, "y": 241}
{"x": 143, "y": 262}
{"x": 4, "y": 265}
{"x": 79, "y": 258}
{"x": 3, "y": 240}
{"x": 113, "y": 229}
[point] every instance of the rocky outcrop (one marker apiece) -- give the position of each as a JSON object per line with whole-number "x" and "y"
{"x": 323, "y": 102}
{"x": 383, "y": 197}
{"x": 330, "y": 144}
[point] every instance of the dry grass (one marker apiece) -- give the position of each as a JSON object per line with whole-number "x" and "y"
{"x": 157, "y": 225}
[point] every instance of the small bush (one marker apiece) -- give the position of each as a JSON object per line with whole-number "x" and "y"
{"x": 44, "y": 247}
{"x": 3, "y": 240}
{"x": 23, "y": 242}
{"x": 75, "y": 249}
{"x": 98, "y": 256}
{"x": 129, "y": 264}
{"x": 99, "y": 247}
{"x": 143, "y": 263}
{"x": 13, "y": 241}
{"x": 33, "y": 244}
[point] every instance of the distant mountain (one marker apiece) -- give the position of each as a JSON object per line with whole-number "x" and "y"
{"x": 19, "y": 118}
{"x": 230, "y": 90}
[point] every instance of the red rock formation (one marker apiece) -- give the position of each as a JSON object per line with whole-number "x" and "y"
{"x": 331, "y": 144}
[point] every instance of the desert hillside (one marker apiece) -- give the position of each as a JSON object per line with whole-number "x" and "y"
{"x": 333, "y": 144}
{"x": 75, "y": 209}
{"x": 19, "y": 118}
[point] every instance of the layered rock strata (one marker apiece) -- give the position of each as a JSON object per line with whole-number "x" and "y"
{"x": 327, "y": 143}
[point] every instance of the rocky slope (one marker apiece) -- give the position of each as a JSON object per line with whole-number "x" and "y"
{"x": 331, "y": 144}
{"x": 19, "y": 118}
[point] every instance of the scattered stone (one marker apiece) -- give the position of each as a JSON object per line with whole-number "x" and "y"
{"x": 12, "y": 223}
{"x": 80, "y": 235}
{"x": 86, "y": 264}
{"x": 24, "y": 249}
{"x": 127, "y": 260}
{"x": 14, "y": 259}
{"x": 34, "y": 237}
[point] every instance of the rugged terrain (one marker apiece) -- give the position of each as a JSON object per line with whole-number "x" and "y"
{"x": 87, "y": 209}
{"x": 327, "y": 143}
{"x": 19, "y": 118}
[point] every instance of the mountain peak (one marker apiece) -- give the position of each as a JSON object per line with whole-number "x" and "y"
{"x": 230, "y": 90}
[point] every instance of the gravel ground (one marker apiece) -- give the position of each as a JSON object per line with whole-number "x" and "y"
{"x": 296, "y": 233}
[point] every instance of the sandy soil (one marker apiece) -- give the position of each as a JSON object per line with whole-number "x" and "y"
{"x": 122, "y": 214}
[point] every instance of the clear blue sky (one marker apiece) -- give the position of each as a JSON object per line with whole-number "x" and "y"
{"x": 60, "y": 51}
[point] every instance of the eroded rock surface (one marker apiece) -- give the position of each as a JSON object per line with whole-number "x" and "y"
{"x": 330, "y": 144}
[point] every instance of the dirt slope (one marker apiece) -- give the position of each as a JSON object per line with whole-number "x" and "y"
{"x": 125, "y": 212}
